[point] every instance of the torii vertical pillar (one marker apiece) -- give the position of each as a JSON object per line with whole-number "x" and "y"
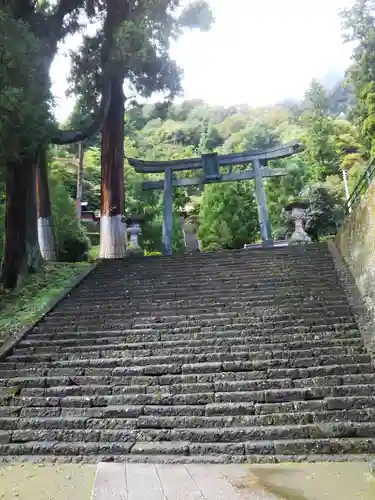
{"x": 264, "y": 221}
{"x": 168, "y": 215}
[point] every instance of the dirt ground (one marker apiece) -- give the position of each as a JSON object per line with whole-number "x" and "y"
{"x": 321, "y": 481}
{"x": 43, "y": 482}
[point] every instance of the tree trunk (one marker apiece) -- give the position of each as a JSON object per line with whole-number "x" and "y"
{"x": 44, "y": 210}
{"x": 21, "y": 249}
{"x": 112, "y": 228}
{"x": 81, "y": 153}
{"x": 34, "y": 257}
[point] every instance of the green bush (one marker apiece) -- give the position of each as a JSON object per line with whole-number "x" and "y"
{"x": 94, "y": 238}
{"x": 2, "y": 217}
{"x": 71, "y": 239}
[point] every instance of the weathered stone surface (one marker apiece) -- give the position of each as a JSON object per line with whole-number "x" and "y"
{"x": 161, "y": 448}
{"x": 241, "y": 359}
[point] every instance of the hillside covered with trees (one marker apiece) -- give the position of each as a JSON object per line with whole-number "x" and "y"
{"x": 227, "y": 213}
{"x": 335, "y": 124}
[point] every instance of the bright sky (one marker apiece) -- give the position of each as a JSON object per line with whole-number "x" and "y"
{"x": 258, "y": 52}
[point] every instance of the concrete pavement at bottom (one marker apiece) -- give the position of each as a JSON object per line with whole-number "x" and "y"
{"x": 174, "y": 482}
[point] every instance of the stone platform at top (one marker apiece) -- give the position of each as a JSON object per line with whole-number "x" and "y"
{"x": 210, "y": 165}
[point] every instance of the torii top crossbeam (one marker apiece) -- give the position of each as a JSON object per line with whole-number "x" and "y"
{"x": 154, "y": 167}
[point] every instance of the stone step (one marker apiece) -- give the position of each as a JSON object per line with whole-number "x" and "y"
{"x": 206, "y": 310}
{"x": 302, "y": 341}
{"x": 333, "y": 430}
{"x": 91, "y": 396}
{"x": 184, "y": 459}
{"x": 112, "y": 357}
{"x": 160, "y": 349}
{"x": 50, "y": 418}
{"x": 300, "y": 447}
{"x": 218, "y": 337}
{"x": 222, "y": 292}
{"x": 243, "y": 300}
{"x": 195, "y": 326}
{"x": 37, "y": 377}
{"x": 203, "y": 269}
{"x": 197, "y": 267}
{"x": 96, "y": 385}
{"x": 225, "y": 313}
{"x": 82, "y": 407}
{"x": 202, "y": 367}
{"x": 152, "y": 303}
{"x": 220, "y": 282}
{"x": 314, "y": 285}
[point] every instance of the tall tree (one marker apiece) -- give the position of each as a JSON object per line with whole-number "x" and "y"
{"x": 42, "y": 25}
{"x": 320, "y": 153}
{"x": 139, "y": 34}
{"x": 359, "y": 29}
{"x": 24, "y": 127}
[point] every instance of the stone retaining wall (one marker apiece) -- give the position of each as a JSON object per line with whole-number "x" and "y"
{"x": 355, "y": 242}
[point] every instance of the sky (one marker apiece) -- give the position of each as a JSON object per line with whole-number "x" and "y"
{"x": 258, "y": 52}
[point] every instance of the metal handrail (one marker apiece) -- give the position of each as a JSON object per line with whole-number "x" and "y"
{"x": 361, "y": 187}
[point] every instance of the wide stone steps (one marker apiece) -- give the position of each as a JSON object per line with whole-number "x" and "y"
{"x": 231, "y": 357}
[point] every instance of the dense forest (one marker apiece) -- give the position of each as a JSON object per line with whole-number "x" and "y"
{"x": 335, "y": 124}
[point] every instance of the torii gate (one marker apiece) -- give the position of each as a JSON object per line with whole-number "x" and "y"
{"x": 210, "y": 164}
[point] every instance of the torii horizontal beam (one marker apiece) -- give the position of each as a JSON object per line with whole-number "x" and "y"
{"x": 278, "y": 152}
{"x": 197, "y": 181}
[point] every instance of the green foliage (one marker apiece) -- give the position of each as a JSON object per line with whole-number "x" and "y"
{"x": 24, "y": 99}
{"x": 359, "y": 29}
{"x": 325, "y": 211}
{"x": 228, "y": 216}
{"x": 71, "y": 240}
{"x": 94, "y": 239}
{"x": 136, "y": 40}
{"x": 319, "y": 138}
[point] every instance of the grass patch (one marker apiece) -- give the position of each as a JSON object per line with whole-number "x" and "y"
{"x": 23, "y": 307}
{"x": 94, "y": 253}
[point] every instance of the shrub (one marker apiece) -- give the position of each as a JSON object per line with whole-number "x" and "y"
{"x": 71, "y": 239}
{"x": 94, "y": 238}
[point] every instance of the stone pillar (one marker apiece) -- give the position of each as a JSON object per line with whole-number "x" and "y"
{"x": 168, "y": 214}
{"x": 262, "y": 205}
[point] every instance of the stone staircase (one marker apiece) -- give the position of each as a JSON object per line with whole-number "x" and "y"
{"x": 230, "y": 357}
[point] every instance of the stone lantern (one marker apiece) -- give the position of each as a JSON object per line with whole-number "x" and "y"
{"x": 133, "y": 225}
{"x": 297, "y": 213}
{"x": 189, "y": 227}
